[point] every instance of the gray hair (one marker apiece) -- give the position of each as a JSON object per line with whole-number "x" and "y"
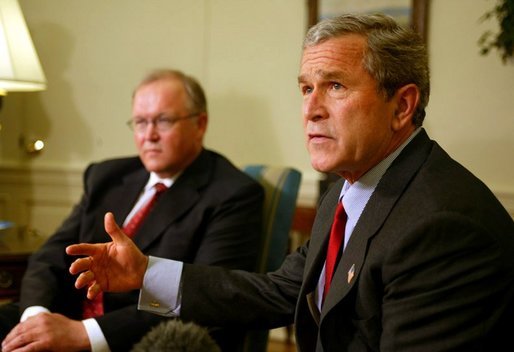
{"x": 395, "y": 55}
{"x": 196, "y": 100}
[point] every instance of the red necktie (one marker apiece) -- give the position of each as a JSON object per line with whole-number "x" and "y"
{"x": 133, "y": 225}
{"x": 335, "y": 242}
{"x": 95, "y": 308}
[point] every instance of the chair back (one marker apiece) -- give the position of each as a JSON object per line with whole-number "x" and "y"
{"x": 281, "y": 185}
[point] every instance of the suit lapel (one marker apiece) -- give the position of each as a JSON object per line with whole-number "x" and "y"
{"x": 383, "y": 199}
{"x": 171, "y": 205}
{"x": 314, "y": 263}
{"x": 119, "y": 200}
{"x": 319, "y": 236}
{"x": 125, "y": 197}
{"x": 176, "y": 201}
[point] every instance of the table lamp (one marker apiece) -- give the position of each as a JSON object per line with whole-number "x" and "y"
{"x": 20, "y": 69}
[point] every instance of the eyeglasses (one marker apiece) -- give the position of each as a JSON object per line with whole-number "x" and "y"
{"x": 162, "y": 123}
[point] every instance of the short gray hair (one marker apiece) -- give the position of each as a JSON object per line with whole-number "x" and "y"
{"x": 395, "y": 55}
{"x": 197, "y": 102}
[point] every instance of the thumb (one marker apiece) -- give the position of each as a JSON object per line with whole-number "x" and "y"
{"x": 112, "y": 228}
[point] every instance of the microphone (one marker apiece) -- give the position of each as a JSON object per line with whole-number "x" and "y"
{"x": 173, "y": 335}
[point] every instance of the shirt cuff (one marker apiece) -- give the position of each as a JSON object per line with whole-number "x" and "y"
{"x": 96, "y": 336}
{"x": 161, "y": 291}
{"x": 31, "y": 311}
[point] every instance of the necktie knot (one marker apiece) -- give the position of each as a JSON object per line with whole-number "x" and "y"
{"x": 159, "y": 188}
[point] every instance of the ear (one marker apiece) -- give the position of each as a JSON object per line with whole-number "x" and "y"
{"x": 407, "y": 98}
{"x": 201, "y": 121}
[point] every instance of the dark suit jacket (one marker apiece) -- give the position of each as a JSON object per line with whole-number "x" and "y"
{"x": 210, "y": 215}
{"x": 433, "y": 269}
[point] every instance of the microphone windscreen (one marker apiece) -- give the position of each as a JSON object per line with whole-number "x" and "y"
{"x": 176, "y": 336}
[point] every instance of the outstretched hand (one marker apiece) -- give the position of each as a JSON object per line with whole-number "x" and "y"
{"x": 115, "y": 266}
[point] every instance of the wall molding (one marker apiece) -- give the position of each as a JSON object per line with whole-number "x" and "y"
{"x": 38, "y": 198}
{"x": 41, "y": 197}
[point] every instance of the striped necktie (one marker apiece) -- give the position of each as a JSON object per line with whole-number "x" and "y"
{"x": 133, "y": 225}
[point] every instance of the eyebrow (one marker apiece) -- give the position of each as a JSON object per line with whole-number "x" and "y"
{"x": 157, "y": 116}
{"x": 325, "y": 75}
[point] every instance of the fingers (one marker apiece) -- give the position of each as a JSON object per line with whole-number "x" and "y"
{"x": 22, "y": 337}
{"x": 112, "y": 228}
{"x": 86, "y": 278}
{"x": 81, "y": 249}
{"x": 80, "y": 265}
{"x": 8, "y": 340}
{"x": 93, "y": 291}
{"x": 87, "y": 249}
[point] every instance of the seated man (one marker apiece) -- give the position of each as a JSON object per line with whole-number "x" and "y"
{"x": 209, "y": 213}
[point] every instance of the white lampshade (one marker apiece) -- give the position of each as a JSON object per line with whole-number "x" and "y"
{"x": 20, "y": 69}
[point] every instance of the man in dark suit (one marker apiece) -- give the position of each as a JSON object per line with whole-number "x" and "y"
{"x": 426, "y": 258}
{"x": 209, "y": 214}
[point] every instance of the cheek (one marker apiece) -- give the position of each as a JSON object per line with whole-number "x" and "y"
{"x": 138, "y": 140}
{"x": 173, "y": 143}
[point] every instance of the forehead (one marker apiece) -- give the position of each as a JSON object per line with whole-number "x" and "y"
{"x": 340, "y": 54}
{"x": 160, "y": 93}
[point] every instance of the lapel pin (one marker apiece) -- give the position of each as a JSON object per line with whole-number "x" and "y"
{"x": 351, "y": 273}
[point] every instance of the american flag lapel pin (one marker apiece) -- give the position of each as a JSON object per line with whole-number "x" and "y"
{"x": 351, "y": 273}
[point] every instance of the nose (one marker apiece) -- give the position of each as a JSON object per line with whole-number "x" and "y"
{"x": 314, "y": 106}
{"x": 151, "y": 132}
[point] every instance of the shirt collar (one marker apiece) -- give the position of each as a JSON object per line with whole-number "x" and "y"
{"x": 154, "y": 179}
{"x": 356, "y": 195}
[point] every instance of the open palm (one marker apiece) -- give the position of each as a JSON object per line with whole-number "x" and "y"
{"x": 115, "y": 266}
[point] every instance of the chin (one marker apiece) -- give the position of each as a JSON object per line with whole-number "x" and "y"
{"x": 153, "y": 167}
{"x": 163, "y": 172}
{"x": 320, "y": 166}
